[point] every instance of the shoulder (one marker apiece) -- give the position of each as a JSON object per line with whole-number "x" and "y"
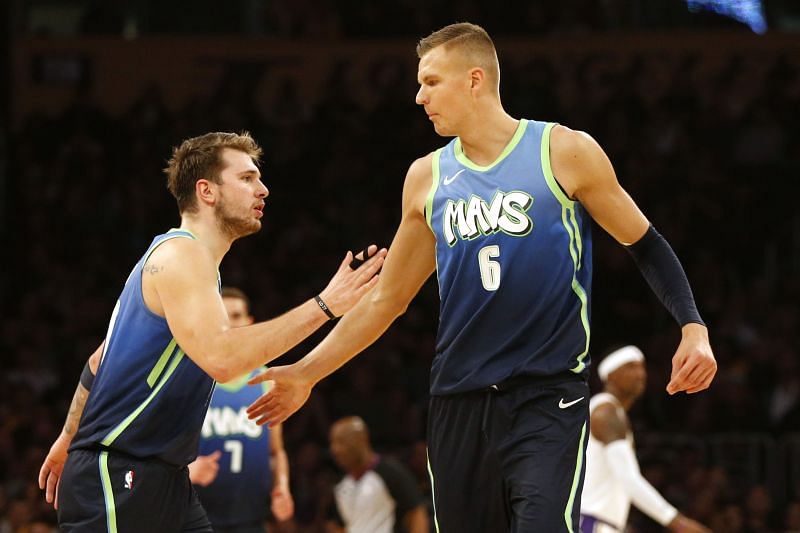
{"x": 181, "y": 251}
{"x": 566, "y": 144}
{"x": 608, "y": 423}
{"x": 576, "y": 159}
{"x": 419, "y": 180}
{"x": 421, "y": 168}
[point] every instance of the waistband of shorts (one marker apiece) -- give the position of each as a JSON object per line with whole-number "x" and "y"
{"x": 515, "y": 382}
{"x": 98, "y": 448}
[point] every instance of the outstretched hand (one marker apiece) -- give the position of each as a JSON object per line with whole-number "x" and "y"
{"x": 693, "y": 365}
{"x": 287, "y": 394}
{"x": 348, "y": 285}
{"x": 53, "y": 465}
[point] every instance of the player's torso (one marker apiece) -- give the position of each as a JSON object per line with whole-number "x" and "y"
{"x": 240, "y": 492}
{"x": 148, "y": 398}
{"x": 603, "y": 496}
{"x": 513, "y": 258}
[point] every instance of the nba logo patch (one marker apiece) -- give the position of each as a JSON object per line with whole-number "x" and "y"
{"x": 129, "y": 479}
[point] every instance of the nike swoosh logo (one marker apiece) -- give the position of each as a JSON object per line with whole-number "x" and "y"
{"x": 563, "y": 405}
{"x": 450, "y": 179}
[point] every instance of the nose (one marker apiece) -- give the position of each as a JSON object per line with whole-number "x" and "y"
{"x": 421, "y": 98}
{"x": 262, "y": 191}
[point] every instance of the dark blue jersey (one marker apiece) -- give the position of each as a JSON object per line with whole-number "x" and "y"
{"x": 240, "y": 492}
{"x": 513, "y": 259}
{"x": 148, "y": 398}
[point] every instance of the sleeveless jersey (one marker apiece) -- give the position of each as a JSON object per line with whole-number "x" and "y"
{"x": 603, "y": 496}
{"x": 148, "y": 398}
{"x": 513, "y": 261}
{"x": 240, "y": 492}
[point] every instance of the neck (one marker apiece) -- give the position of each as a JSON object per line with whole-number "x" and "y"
{"x": 208, "y": 234}
{"x": 487, "y": 133}
{"x": 626, "y": 400}
{"x": 366, "y": 464}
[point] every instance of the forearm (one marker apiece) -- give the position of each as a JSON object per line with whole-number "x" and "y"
{"x": 665, "y": 275}
{"x": 75, "y": 411}
{"x": 622, "y": 459}
{"x": 237, "y": 351}
{"x": 359, "y": 328}
{"x": 280, "y": 470}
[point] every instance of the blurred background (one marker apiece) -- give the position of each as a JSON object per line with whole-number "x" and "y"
{"x": 697, "y": 104}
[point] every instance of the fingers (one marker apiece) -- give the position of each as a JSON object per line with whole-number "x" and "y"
{"x": 348, "y": 258}
{"x": 371, "y": 267}
{"x": 258, "y": 378}
{"x": 55, "y": 500}
{"x": 362, "y": 256}
{"x": 692, "y": 374}
{"x": 52, "y": 484}
{"x": 214, "y": 456}
{"x": 43, "y": 471}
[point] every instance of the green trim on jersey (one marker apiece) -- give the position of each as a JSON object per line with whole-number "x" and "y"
{"x": 122, "y": 426}
{"x": 575, "y": 240}
{"x": 108, "y": 494}
{"x": 462, "y": 158}
{"x": 433, "y": 492}
{"x": 434, "y": 185}
{"x": 575, "y": 479}
{"x": 161, "y": 363}
{"x": 173, "y": 230}
{"x": 167, "y": 238}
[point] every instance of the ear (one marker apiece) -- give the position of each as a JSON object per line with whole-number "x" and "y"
{"x": 476, "y": 77}
{"x": 206, "y": 191}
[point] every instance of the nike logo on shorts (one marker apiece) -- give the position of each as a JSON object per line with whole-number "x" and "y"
{"x": 563, "y": 405}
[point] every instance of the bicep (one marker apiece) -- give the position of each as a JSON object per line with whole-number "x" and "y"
{"x": 94, "y": 359}
{"x": 412, "y": 255}
{"x": 580, "y": 163}
{"x": 188, "y": 293}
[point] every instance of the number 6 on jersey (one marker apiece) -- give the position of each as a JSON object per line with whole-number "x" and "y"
{"x": 490, "y": 270}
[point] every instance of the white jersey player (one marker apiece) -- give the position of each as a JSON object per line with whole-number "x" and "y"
{"x": 613, "y": 480}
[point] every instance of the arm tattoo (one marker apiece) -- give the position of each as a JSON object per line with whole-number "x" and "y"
{"x": 153, "y": 269}
{"x": 76, "y": 410}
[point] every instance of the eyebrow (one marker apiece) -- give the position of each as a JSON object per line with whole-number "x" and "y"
{"x": 251, "y": 171}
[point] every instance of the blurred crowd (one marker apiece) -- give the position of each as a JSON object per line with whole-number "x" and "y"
{"x": 353, "y": 19}
{"x": 707, "y": 144}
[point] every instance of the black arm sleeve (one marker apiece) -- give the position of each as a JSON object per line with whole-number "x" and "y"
{"x": 663, "y": 271}
{"x": 87, "y": 378}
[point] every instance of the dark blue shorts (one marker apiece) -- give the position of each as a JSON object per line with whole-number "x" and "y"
{"x": 510, "y": 458}
{"x": 109, "y": 492}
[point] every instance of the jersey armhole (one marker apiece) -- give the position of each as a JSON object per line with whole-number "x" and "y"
{"x": 552, "y": 183}
{"x": 428, "y": 208}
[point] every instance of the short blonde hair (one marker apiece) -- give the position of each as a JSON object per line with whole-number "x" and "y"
{"x": 471, "y": 39}
{"x": 200, "y": 158}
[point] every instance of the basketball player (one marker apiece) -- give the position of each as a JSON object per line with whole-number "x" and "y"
{"x": 502, "y": 213}
{"x": 168, "y": 340}
{"x": 240, "y": 463}
{"x": 613, "y": 479}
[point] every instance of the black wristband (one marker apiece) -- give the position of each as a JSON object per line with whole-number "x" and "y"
{"x": 322, "y": 305}
{"x": 87, "y": 378}
{"x": 665, "y": 275}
